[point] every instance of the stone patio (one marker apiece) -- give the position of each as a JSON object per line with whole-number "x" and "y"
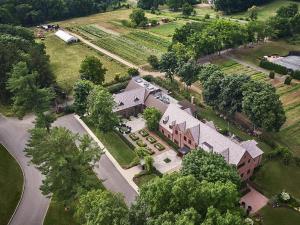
{"x": 254, "y": 199}
{"x": 136, "y": 124}
{"x": 164, "y": 167}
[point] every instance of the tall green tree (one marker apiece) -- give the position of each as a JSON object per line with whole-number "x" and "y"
{"x": 152, "y": 117}
{"x": 168, "y": 64}
{"x": 189, "y": 71}
{"x": 180, "y": 195}
{"x": 211, "y": 167}
{"x": 27, "y": 96}
{"x": 100, "y": 104}
{"x": 187, "y": 9}
{"x": 138, "y": 18}
{"x": 82, "y": 89}
{"x": 66, "y": 160}
{"x": 214, "y": 217}
{"x": 44, "y": 120}
{"x": 92, "y": 69}
{"x": 231, "y": 96}
{"x": 101, "y": 207}
{"x": 262, "y": 106}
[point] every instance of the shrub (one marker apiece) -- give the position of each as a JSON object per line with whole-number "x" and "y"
{"x": 288, "y": 80}
{"x": 272, "y": 75}
{"x": 207, "y": 16}
{"x": 143, "y": 133}
{"x": 117, "y": 87}
{"x": 296, "y": 75}
{"x": 141, "y": 143}
{"x": 133, "y": 72}
{"x": 153, "y": 61}
{"x": 159, "y": 146}
{"x": 133, "y": 137}
{"x": 151, "y": 139}
{"x": 153, "y": 22}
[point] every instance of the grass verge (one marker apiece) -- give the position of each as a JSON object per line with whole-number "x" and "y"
{"x": 11, "y": 184}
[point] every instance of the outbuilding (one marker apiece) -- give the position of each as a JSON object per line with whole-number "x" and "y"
{"x": 65, "y": 36}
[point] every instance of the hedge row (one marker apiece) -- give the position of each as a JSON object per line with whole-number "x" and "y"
{"x": 279, "y": 69}
{"x": 117, "y": 87}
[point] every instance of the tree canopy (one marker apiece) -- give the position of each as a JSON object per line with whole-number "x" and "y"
{"x": 152, "y": 117}
{"x": 100, "y": 104}
{"x": 211, "y": 167}
{"x": 101, "y": 207}
{"x": 175, "y": 197}
{"x": 30, "y": 12}
{"x": 92, "y": 69}
{"x": 66, "y": 160}
{"x": 82, "y": 89}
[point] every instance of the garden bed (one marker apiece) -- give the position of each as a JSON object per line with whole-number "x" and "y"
{"x": 159, "y": 146}
{"x": 143, "y": 133}
{"x": 134, "y": 137}
{"x": 151, "y": 139}
{"x": 140, "y": 143}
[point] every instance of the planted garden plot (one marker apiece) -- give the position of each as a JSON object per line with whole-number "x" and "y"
{"x": 136, "y": 46}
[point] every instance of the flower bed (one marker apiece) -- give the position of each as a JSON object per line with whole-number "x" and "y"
{"x": 141, "y": 143}
{"x": 159, "y": 146}
{"x": 133, "y": 137}
{"x": 150, "y": 151}
{"x": 151, "y": 139}
{"x": 143, "y": 133}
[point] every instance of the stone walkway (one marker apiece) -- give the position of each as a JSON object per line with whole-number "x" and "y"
{"x": 254, "y": 199}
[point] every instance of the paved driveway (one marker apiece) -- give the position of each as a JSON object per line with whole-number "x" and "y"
{"x": 254, "y": 199}
{"x": 106, "y": 171}
{"x": 33, "y": 205}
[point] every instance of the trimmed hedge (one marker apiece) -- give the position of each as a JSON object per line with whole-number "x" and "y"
{"x": 134, "y": 137}
{"x": 117, "y": 87}
{"x": 169, "y": 142}
{"x": 159, "y": 146}
{"x": 143, "y": 133}
{"x": 141, "y": 143}
{"x": 125, "y": 140}
{"x": 272, "y": 66}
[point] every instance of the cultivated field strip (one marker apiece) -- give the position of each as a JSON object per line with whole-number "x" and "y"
{"x": 135, "y": 46}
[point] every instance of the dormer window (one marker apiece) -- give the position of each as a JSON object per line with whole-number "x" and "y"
{"x": 171, "y": 126}
{"x": 136, "y": 99}
{"x": 166, "y": 119}
{"x": 121, "y": 103}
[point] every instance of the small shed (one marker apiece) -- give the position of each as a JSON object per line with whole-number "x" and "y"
{"x": 65, "y": 36}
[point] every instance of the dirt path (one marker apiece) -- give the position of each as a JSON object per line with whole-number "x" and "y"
{"x": 127, "y": 63}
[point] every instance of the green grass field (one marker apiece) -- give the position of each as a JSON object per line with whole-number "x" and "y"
{"x": 265, "y": 11}
{"x": 116, "y": 146}
{"x": 11, "y": 184}
{"x": 140, "y": 181}
{"x": 274, "y": 176}
{"x": 66, "y": 59}
{"x": 135, "y": 46}
{"x": 57, "y": 215}
{"x": 279, "y": 216}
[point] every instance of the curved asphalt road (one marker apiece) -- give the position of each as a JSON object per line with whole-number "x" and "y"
{"x": 33, "y": 205}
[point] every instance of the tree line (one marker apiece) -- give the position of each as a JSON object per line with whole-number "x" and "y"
{"x": 232, "y": 6}
{"x": 30, "y": 12}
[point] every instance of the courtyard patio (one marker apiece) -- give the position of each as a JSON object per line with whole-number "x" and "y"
{"x": 167, "y": 161}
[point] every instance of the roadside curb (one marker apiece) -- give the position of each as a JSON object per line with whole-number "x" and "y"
{"x": 106, "y": 152}
{"x": 23, "y": 186}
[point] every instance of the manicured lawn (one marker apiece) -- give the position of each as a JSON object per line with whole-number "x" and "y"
{"x": 267, "y": 10}
{"x": 11, "y": 182}
{"x": 66, "y": 59}
{"x": 116, "y": 146}
{"x": 273, "y": 177}
{"x": 57, "y": 215}
{"x": 279, "y": 216}
{"x": 140, "y": 181}
{"x": 168, "y": 29}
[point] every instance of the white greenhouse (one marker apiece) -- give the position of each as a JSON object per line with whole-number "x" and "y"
{"x": 65, "y": 36}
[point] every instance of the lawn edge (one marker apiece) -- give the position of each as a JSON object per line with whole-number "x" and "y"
{"x": 23, "y": 185}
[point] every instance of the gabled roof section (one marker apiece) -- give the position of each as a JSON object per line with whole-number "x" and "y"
{"x": 251, "y": 147}
{"x": 128, "y": 99}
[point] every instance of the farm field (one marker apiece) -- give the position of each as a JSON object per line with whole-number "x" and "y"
{"x": 65, "y": 61}
{"x": 135, "y": 46}
{"x": 289, "y": 134}
{"x": 11, "y": 182}
{"x": 265, "y": 11}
